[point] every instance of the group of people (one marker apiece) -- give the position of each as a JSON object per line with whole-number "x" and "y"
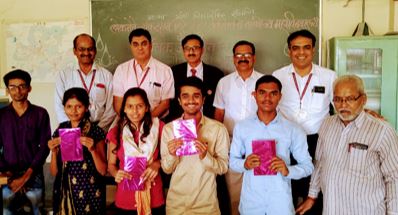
{"x": 348, "y": 158}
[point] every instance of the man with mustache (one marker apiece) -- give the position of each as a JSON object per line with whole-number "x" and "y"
{"x": 307, "y": 94}
{"x": 234, "y": 102}
{"x": 193, "y": 49}
{"x": 356, "y": 163}
{"x": 88, "y": 75}
{"x": 268, "y": 194}
{"x": 145, "y": 72}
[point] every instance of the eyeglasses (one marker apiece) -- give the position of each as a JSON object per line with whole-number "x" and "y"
{"x": 349, "y": 100}
{"x": 19, "y": 87}
{"x": 192, "y": 48}
{"x": 245, "y": 55}
{"x": 83, "y": 49}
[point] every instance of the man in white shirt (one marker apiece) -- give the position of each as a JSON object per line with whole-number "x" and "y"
{"x": 234, "y": 102}
{"x": 96, "y": 80}
{"x": 144, "y": 71}
{"x": 307, "y": 94}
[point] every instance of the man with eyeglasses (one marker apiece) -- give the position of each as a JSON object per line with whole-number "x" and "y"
{"x": 25, "y": 130}
{"x": 356, "y": 163}
{"x": 87, "y": 74}
{"x": 234, "y": 102}
{"x": 193, "y": 48}
{"x": 145, "y": 72}
{"x": 307, "y": 94}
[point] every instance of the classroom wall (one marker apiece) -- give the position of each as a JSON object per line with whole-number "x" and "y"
{"x": 340, "y": 18}
{"x": 15, "y": 11}
{"x": 336, "y": 20}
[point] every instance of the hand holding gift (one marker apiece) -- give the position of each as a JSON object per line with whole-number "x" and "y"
{"x": 266, "y": 150}
{"x": 185, "y": 130}
{"x": 135, "y": 167}
{"x": 71, "y": 148}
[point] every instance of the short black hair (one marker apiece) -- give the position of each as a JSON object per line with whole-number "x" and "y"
{"x": 17, "y": 74}
{"x": 192, "y": 82}
{"x": 140, "y": 32}
{"x": 86, "y": 35}
{"x": 269, "y": 79}
{"x": 192, "y": 37}
{"x": 301, "y": 33}
{"x": 244, "y": 42}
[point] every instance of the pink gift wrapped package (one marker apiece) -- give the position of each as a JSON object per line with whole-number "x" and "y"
{"x": 185, "y": 130}
{"x": 71, "y": 148}
{"x": 266, "y": 150}
{"x": 136, "y": 167}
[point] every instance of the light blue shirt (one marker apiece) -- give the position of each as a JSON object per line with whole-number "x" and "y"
{"x": 269, "y": 194}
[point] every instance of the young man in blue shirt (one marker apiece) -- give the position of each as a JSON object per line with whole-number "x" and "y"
{"x": 269, "y": 194}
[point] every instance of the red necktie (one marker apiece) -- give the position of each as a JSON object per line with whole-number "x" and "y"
{"x": 193, "y": 72}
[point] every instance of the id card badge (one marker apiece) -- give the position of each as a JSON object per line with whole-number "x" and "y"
{"x": 301, "y": 115}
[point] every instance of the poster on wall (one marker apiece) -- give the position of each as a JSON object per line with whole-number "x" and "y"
{"x": 41, "y": 48}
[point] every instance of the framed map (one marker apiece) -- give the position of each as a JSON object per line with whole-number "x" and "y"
{"x": 41, "y": 48}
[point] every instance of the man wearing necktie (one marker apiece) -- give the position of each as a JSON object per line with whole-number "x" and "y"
{"x": 193, "y": 49}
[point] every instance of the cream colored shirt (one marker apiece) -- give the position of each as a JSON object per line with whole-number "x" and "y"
{"x": 193, "y": 183}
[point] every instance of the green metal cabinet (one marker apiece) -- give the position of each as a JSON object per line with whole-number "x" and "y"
{"x": 375, "y": 60}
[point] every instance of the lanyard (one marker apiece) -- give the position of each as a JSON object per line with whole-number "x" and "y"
{"x": 305, "y": 87}
{"x": 136, "y": 77}
{"x": 84, "y": 83}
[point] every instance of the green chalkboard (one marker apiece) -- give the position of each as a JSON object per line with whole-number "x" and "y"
{"x": 221, "y": 23}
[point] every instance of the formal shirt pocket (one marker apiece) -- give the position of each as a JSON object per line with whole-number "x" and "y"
{"x": 156, "y": 92}
{"x": 319, "y": 101}
{"x": 100, "y": 93}
{"x": 357, "y": 161}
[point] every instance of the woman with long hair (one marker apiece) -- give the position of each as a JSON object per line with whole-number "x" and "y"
{"x": 78, "y": 186}
{"x": 137, "y": 134}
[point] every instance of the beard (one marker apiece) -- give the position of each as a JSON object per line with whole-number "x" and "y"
{"x": 348, "y": 117}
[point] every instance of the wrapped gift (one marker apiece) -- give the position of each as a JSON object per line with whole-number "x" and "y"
{"x": 185, "y": 130}
{"x": 135, "y": 166}
{"x": 71, "y": 148}
{"x": 266, "y": 149}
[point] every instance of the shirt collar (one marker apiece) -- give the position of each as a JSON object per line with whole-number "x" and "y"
{"x": 358, "y": 122}
{"x": 11, "y": 108}
{"x": 150, "y": 64}
{"x": 201, "y": 122}
{"x": 314, "y": 70}
{"x": 198, "y": 68}
{"x": 274, "y": 121}
{"x": 94, "y": 67}
{"x": 251, "y": 77}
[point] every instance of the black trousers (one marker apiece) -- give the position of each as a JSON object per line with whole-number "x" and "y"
{"x": 300, "y": 187}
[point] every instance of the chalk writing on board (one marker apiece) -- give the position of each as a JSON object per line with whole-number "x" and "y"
{"x": 220, "y": 23}
{"x": 288, "y": 22}
{"x": 243, "y": 12}
{"x": 209, "y": 15}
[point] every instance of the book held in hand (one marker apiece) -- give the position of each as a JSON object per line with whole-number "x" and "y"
{"x": 135, "y": 166}
{"x": 266, "y": 149}
{"x": 185, "y": 130}
{"x": 71, "y": 148}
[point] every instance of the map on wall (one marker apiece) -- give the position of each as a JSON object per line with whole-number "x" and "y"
{"x": 41, "y": 48}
